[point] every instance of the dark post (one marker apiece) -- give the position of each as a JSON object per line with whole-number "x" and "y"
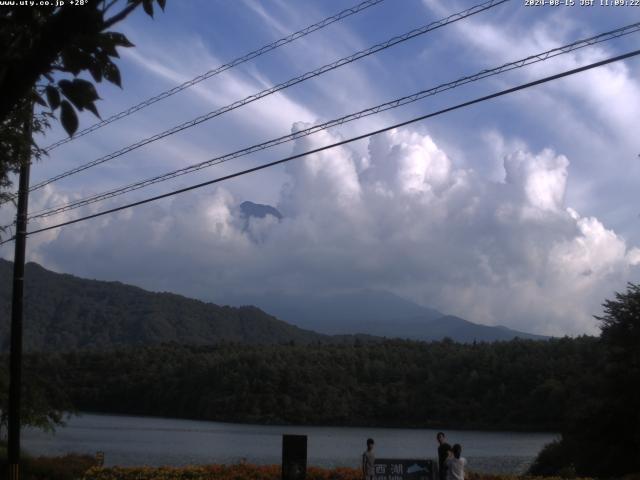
{"x": 15, "y": 358}
{"x": 294, "y": 457}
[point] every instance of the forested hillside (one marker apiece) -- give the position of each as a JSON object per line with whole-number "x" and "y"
{"x": 520, "y": 384}
{"x": 64, "y": 312}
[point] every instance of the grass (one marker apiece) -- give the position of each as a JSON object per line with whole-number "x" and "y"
{"x": 67, "y": 467}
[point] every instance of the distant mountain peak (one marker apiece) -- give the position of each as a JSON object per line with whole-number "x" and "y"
{"x": 258, "y": 210}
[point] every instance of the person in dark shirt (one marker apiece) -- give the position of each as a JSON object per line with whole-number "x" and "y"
{"x": 443, "y": 454}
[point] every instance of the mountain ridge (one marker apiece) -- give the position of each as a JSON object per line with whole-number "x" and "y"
{"x": 379, "y": 313}
{"x": 66, "y": 312}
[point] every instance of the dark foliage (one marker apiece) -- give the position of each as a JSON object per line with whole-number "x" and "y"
{"x": 67, "y": 467}
{"x": 43, "y": 403}
{"x": 45, "y": 50}
{"x": 551, "y": 460}
{"x": 63, "y": 312}
{"x": 601, "y": 434}
{"x": 48, "y": 43}
{"x": 521, "y": 384}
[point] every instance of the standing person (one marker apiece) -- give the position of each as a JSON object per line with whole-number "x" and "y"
{"x": 456, "y": 464}
{"x": 368, "y": 461}
{"x": 443, "y": 453}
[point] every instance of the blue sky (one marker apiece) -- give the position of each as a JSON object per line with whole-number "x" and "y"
{"x": 520, "y": 211}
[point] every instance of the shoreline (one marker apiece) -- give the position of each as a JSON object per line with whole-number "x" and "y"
{"x": 383, "y": 426}
{"x": 135, "y": 440}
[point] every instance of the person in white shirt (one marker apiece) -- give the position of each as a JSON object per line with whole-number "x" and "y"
{"x": 456, "y": 463}
{"x": 368, "y": 462}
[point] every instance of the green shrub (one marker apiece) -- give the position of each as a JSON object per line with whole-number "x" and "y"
{"x": 553, "y": 460}
{"x": 67, "y": 467}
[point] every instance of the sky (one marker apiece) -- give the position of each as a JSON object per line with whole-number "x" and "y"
{"x": 520, "y": 211}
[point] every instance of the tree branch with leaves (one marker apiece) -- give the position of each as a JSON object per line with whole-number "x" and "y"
{"x": 45, "y": 51}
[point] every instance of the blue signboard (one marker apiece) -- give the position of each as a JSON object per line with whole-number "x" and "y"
{"x": 403, "y": 469}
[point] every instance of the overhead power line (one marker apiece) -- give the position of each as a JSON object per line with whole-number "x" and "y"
{"x": 233, "y": 63}
{"x": 539, "y": 57}
{"x": 342, "y": 142}
{"x": 306, "y": 76}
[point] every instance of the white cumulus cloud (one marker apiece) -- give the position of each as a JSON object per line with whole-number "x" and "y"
{"x": 405, "y": 219}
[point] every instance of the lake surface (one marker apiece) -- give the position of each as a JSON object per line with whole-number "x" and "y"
{"x": 128, "y": 440}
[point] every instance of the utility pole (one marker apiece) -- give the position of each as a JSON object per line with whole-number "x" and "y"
{"x": 15, "y": 358}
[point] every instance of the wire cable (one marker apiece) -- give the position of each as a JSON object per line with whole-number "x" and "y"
{"x": 539, "y": 57}
{"x": 233, "y": 63}
{"x": 306, "y": 76}
{"x": 342, "y": 142}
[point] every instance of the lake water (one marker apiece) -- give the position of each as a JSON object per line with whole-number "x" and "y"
{"x": 128, "y": 440}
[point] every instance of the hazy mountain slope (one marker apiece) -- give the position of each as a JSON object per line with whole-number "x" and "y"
{"x": 356, "y": 312}
{"x": 377, "y": 313}
{"x": 462, "y": 330}
{"x": 64, "y": 312}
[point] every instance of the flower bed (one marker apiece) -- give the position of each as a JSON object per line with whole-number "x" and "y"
{"x": 250, "y": 472}
{"x": 215, "y": 472}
